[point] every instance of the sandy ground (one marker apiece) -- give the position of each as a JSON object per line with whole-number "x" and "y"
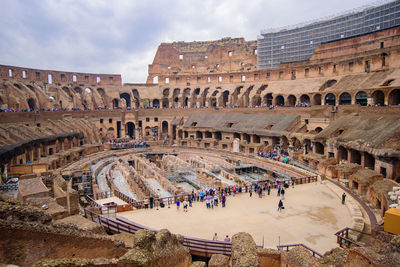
{"x": 312, "y": 214}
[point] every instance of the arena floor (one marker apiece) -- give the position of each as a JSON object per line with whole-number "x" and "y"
{"x": 312, "y": 214}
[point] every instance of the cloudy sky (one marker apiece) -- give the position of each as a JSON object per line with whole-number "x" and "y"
{"x": 122, "y": 36}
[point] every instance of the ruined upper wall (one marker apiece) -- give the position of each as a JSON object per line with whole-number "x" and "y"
{"x": 221, "y": 56}
{"x": 59, "y": 77}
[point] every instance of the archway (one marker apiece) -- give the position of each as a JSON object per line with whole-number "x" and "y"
{"x": 175, "y": 96}
{"x": 166, "y": 92}
{"x": 130, "y": 129}
{"x": 115, "y": 103}
{"x": 343, "y": 153}
{"x": 267, "y": 99}
{"x": 127, "y": 98}
{"x": 136, "y": 97}
{"x": 361, "y": 98}
{"x": 355, "y": 156}
{"x": 305, "y": 99}
{"x": 156, "y": 103}
{"x": 256, "y": 101}
{"x": 213, "y": 102}
{"x": 291, "y": 100}
{"x": 369, "y": 161}
{"x": 378, "y": 98}
{"x": 199, "y": 135}
{"x": 279, "y": 101}
{"x": 204, "y": 97}
{"x": 330, "y": 100}
{"x": 317, "y": 99}
{"x": 345, "y": 99}
{"x": 225, "y": 98}
{"x": 165, "y": 103}
{"x": 186, "y": 102}
{"x": 31, "y": 104}
{"x": 147, "y": 131}
{"x": 394, "y": 97}
{"x": 164, "y": 127}
{"x": 319, "y": 148}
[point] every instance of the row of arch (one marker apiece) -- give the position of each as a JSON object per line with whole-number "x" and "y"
{"x": 224, "y": 99}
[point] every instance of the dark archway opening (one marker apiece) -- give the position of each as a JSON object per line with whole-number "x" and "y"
{"x": 165, "y": 103}
{"x": 345, "y": 99}
{"x": 355, "y": 156}
{"x": 305, "y": 99}
{"x": 369, "y": 161}
{"x": 361, "y": 98}
{"x": 319, "y": 148}
{"x": 394, "y": 97}
{"x": 330, "y": 100}
{"x": 291, "y": 100}
{"x": 156, "y": 103}
{"x": 342, "y": 153}
{"x": 31, "y": 104}
{"x": 130, "y": 126}
{"x": 268, "y": 99}
{"x": 378, "y": 98}
{"x": 279, "y": 101}
{"x": 115, "y": 103}
{"x": 127, "y": 98}
{"x": 164, "y": 127}
{"x": 317, "y": 100}
{"x": 225, "y": 98}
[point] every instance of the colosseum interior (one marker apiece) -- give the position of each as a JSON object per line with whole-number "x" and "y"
{"x": 87, "y": 145}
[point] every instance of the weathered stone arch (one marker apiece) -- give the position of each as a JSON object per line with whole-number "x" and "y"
{"x": 394, "y": 97}
{"x": 330, "y": 99}
{"x": 279, "y": 100}
{"x": 317, "y": 99}
{"x": 127, "y": 98}
{"x": 361, "y": 98}
{"x": 304, "y": 99}
{"x": 345, "y": 99}
{"x": 291, "y": 100}
{"x": 378, "y": 98}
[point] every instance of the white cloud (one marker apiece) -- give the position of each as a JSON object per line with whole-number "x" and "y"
{"x": 104, "y": 36}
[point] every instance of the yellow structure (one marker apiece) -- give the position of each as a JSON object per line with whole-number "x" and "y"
{"x": 392, "y": 221}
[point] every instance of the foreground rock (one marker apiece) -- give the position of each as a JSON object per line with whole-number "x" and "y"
{"x": 244, "y": 251}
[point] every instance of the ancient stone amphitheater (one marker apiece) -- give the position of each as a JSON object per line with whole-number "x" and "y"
{"x": 86, "y": 145}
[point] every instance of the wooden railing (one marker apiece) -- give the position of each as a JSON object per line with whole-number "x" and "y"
{"x": 197, "y": 246}
{"x": 314, "y": 253}
{"x": 343, "y": 237}
{"x": 93, "y": 203}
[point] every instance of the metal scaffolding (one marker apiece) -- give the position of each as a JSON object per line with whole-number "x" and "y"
{"x": 297, "y": 43}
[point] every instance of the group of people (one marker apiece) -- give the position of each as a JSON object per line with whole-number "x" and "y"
{"x": 126, "y": 143}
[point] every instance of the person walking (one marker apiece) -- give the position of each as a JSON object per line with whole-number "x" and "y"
{"x": 282, "y": 194}
{"x": 185, "y": 206}
{"x": 343, "y": 198}
{"x": 227, "y": 239}
{"x": 223, "y": 200}
{"x": 250, "y": 192}
{"x": 177, "y": 204}
{"x": 279, "y": 190}
{"x": 215, "y": 237}
{"x": 280, "y": 205}
{"x": 269, "y": 189}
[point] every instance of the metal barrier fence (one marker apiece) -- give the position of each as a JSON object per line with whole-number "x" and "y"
{"x": 343, "y": 237}
{"x": 281, "y": 247}
{"x": 197, "y": 246}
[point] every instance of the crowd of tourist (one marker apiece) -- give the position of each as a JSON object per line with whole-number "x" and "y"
{"x": 123, "y": 143}
{"x": 11, "y": 109}
{"x": 215, "y": 196}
